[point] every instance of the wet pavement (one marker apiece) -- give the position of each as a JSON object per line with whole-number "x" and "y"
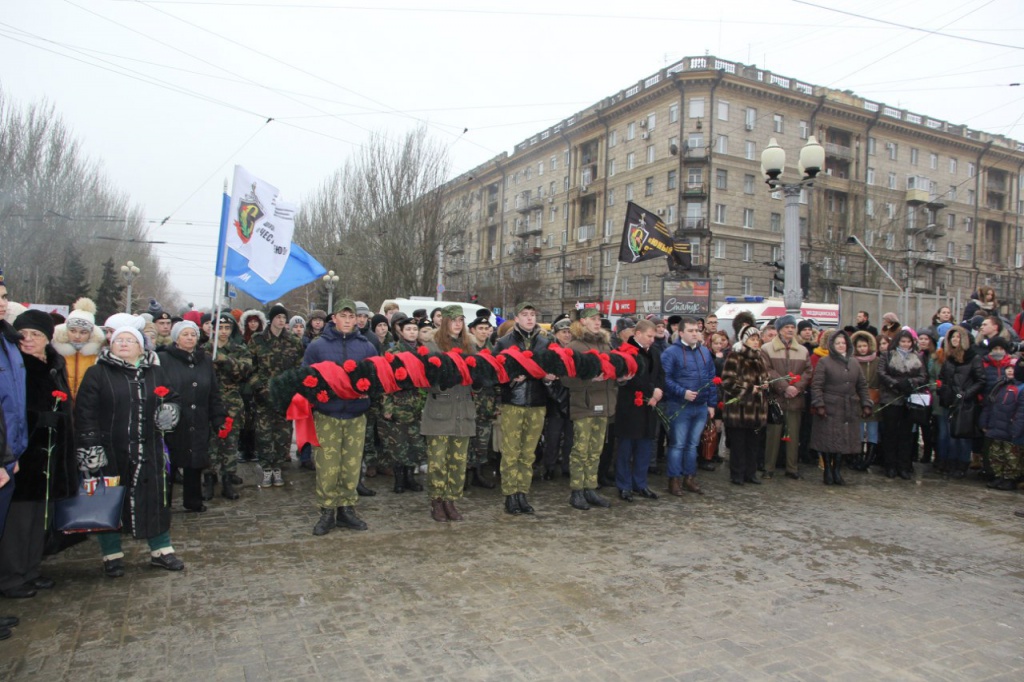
{"x": 791, "y": 580}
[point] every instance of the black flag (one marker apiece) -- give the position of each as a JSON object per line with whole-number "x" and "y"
{"x": 644, "y": 236}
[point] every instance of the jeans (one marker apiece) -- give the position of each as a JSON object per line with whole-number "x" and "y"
{"x": 869, "y": 432}
{"x": 687, "y": 423}
{"x": 942, "y": 441}
{"x": 959, "y": 448}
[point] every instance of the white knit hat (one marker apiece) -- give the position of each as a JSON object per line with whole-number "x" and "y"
{"x": 118, "y": 320}
{"x": 130, "y": 330}
{"x": 83, "y": 316}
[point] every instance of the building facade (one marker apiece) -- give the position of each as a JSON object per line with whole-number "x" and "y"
{"x": 939, "y": 205}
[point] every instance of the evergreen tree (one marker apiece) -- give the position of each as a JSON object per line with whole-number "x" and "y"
{"x": 71, "y": 283}
{"x": 108, "y": 296}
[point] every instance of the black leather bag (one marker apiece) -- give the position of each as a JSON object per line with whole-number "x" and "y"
{"x": 963, "y": 419}
{"x": 85, "y": 513}
{"x": 775, "y": 412}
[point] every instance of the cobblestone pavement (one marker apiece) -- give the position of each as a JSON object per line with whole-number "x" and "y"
{"x": 791, "y": 580}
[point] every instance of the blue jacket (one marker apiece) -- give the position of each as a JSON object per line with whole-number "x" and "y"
{"x": 12, "y": 396}
{"x": 333, "y": 346}
{"x": 688, "y": 369}
{"x": 1003, "y": 416}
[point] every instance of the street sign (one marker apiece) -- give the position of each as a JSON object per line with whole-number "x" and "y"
{"x": 440, "y": 288}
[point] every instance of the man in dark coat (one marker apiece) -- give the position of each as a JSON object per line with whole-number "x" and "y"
{"x": 636, "y": 425}
{"x": 864, "y": 323}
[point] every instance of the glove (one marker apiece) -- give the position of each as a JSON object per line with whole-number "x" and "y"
{"x": 866, "y": 411}
{"x": 905, "y": 386}
{"x": 167, "y": 416}
{"x": 91, "y": 459}
{"x": 820, "y": 411}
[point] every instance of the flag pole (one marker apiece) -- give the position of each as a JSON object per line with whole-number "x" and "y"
{"x": 615, "y": 286}
{"x": 222, "y": 258}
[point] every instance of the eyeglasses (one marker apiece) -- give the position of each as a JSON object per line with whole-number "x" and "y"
{"x": 125, "y": 341}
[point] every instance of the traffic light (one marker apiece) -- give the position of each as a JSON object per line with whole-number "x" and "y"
{"x": 779, "y": 278}
{"x": 473, "y": 298}
{"x": 805, "y": 278}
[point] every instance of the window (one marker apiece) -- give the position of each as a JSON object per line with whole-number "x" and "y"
{"x": 869, "y": 238}
{"x": 720, "y": 214}
{"x": 871, "y": 146}
{"x": 611, "y": 197}
{"x": 950, "y": 249}
{"x": 970, "y": 197}
{"x": 952, "y": 166}
{"x": 750, "y": 150}
{"x": 648, "y": 187}
{"x": 890, "y": 240}
{"x": 631, "y": 130}
{"x": 778, "y": 123}
{"x": 776, "y": 254}
{"x": 611, "y": 167}
{"x": 650, "y": 153}
{"x": 968, "y": 224}
{"x": 652, "y": 119}
{"x": 608, "y": 227}
{"x": 696, "y": 107}
{"x": 971, "y": 169}
{"x": 670, "y": 215}
{"x": 552, "y": 214}
{"x": 748, "y": 217}
{"x": 694, "y": 176}
{"x": 748, "y": 286}
{"x": 890, "y": 210}
{"x": 952, "y": 193}
{"x": 631, "y": 161}
{"x": 950, "y": 221}
{"x": 776, "y": 222}
{"x": 722, "y": 144}
{"x": 606, "y": 258}
{"x": 870, "y": 176}
{"x": 695, "y": 250}
{"x": 748, "y": 184}
{"x": 892, "y": 181}
{"x": 528, "y": 173}
{"x": 717, "y": 248}
{"x": 625, "y": 285}
{"x": 805, "y": 130}
{"x": 719, "y": 284}
{"x": 612, "y": 140}
{"x": 893, "y": 150}
{"x": 673, "y": 113}
{"x": 672, "y": 142}
{"x": 968, "y": 252}
{"x": 748, "y": 252}
{"x": 540, "y": 168}
{"x": 645, "y": 284}
{"x": 913, "y": 156}
{"x": 933, "y": 161}
{"x": 554, "y": 160}
{"x": 749, "y": 118}
{"x": 723, "y": 110}
{"x": 629, "y": 192}
{"x": 721, "y": 179}
{"x": 695, "y": 141}
{"x": 672, "y": 180}
{"x": 869, "y": 208}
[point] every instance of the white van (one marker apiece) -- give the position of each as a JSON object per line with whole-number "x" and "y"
{"x": 408, "y": 305}
{"x": 763, "y": 309}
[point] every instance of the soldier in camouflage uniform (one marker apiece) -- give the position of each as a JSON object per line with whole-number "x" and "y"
{"x": 523, "y": 404}
{"x": 340, "y": 425}
{"x": 486, "y": 399}
{"x": 400, "y": 418}
{"x": 233, "y": 366}
{"x": 274, "y": 350}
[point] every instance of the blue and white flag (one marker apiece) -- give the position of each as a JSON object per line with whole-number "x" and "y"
{"x": 256, "y": 229}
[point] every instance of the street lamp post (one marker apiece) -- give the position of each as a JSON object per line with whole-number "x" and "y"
{"x": 330, "y": 281}
{"x": 129, "y": 271}
{"x": 773, "y": 163}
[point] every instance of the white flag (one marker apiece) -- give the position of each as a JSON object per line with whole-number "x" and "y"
{"x": 262, "y": 225}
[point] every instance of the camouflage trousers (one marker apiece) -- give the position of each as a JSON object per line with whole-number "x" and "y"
{"x": 1005, "y": 459}
{"x": 480, "y": 444}
{"x": 338, "y": 459}
{"x": 520, "y": 432}
{"x": 372, "y": 456}
{"x": 273, "y": 437}
{"x": 224, "y": 453}
{"x": 403, "y": 444}
{"x": 446, "y": 466}
{"x": 587, "y": 443}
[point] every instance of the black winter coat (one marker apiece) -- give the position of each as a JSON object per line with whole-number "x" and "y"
{"x": 41, "y": 380}
{"x": 115, "y": 408}
{"x": 529, "y": 392}
{"x": 632, "y": 421}
{"x": 192, "y": 377}
{"x": 965, "y": 379}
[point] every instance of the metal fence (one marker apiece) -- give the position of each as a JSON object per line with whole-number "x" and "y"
{"x": 915, "y": 310}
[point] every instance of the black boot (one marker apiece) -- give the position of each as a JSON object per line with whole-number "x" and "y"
{"x": 827, "y": 461}
{"x": 837, "y": 465}
{"x": 577, "y": 500}
{"x": 870, "y": 455}
{"x": 347, "y": 519}
{"x": 363, "y": 490}
{"x": 524, "y": 506}
{"x": 228, "y": 487}
{"x": 512, "y": 505}
{"x": 209, "y": 483}
{"x": 410, "y": 479}
{"x": 399, "y": 479}
{"x": 595, "y": 500}
{"x": 479, "y": 481}
{"x": 325, "y": 523}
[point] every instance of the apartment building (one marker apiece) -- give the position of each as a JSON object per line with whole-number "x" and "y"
{"x": 938, "y": 204}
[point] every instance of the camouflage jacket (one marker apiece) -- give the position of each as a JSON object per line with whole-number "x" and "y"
{"x": 272, "y": 355}
{"x": 233, "y": 367}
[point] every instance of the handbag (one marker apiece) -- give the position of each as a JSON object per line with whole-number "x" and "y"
{"x": 709, "y": 437}
{"x": 91, "y": 513}
{"x": 963, "y": 419}
{"x": 775, "y": 413}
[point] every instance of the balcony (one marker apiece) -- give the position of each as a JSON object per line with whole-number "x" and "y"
{"x": 526, "y": 255}
{"x": 455, "y": 266}
{"x": 838, "y": 151}
{"x": 693, "y": 223}
{"x": 916, "y": 197}
{"x": 530, "y": 229}
{"x": 930, "y": 257}
{"x": 695, "y": 155}
{"x": 573, "y": 274}
{"x": 694, "y": 190}
{"x": 527, "y": 205}
{"x": 457, "y": 249}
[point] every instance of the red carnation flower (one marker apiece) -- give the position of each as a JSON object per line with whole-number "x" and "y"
{"x": 721, "y": 405}
{"x": 422, "y": 350}
{"x": 484, "y": 351}
{"x": 457, "y": 351}
{"x": 638, "y": 394}
{"x": 322, "y": 396}
{"x": 61, "y": 396}
{"x": 786, "y": 439}
{"x": 229, "y": 421}
{"x": 435, "y": 361}
{"x": 471, "y": 362}
{"x": 389, "y": 357}
{"x": 349, "y": 366}
{"x": 363, "y": 385}
{"x": 639, "y": 402}
{"x": 310, "y": 381}
{"x": 717, "y": 381}
{"x": 401, "y": 374}
{"x": 568, "y": 351}
{"x": 500, "y": 359}
{"x": 161, "y": 391}
{"x": 938, "y": 383}
{"x": 794, "y": 378}
{"x": 527, "y": 353}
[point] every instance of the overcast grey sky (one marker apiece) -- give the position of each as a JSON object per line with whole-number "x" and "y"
{"x": 170, "y": 94}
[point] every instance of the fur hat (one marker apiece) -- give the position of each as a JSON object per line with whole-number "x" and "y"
{"x": 623, "y": 324}
{"x": 784, "y": 321}
{"x": 318, "y": 314}
{"x": 179, "y": 327}
{"x": 37, "y": 320}
{"x": 804, "y": 324}
{"x": 748, "y": 331}
{"x": 83, "y": 316}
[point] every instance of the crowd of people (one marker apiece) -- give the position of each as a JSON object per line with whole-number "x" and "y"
{"x": 154, "y": 401}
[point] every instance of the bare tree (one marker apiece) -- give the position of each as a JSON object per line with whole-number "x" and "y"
{"x": 381, "y": 220}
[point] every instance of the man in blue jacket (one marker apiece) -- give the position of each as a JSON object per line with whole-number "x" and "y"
{"x": 14, "y": 429}
{"x": 340, "y": 424}
{"x": 690, "y": 399}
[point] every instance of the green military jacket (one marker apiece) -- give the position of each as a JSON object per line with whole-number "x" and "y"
{"x": 272, "y": 355}
{"x": 234, "y": 368}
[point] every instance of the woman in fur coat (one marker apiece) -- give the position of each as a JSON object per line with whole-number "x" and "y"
{"x": 79, "y": 341}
